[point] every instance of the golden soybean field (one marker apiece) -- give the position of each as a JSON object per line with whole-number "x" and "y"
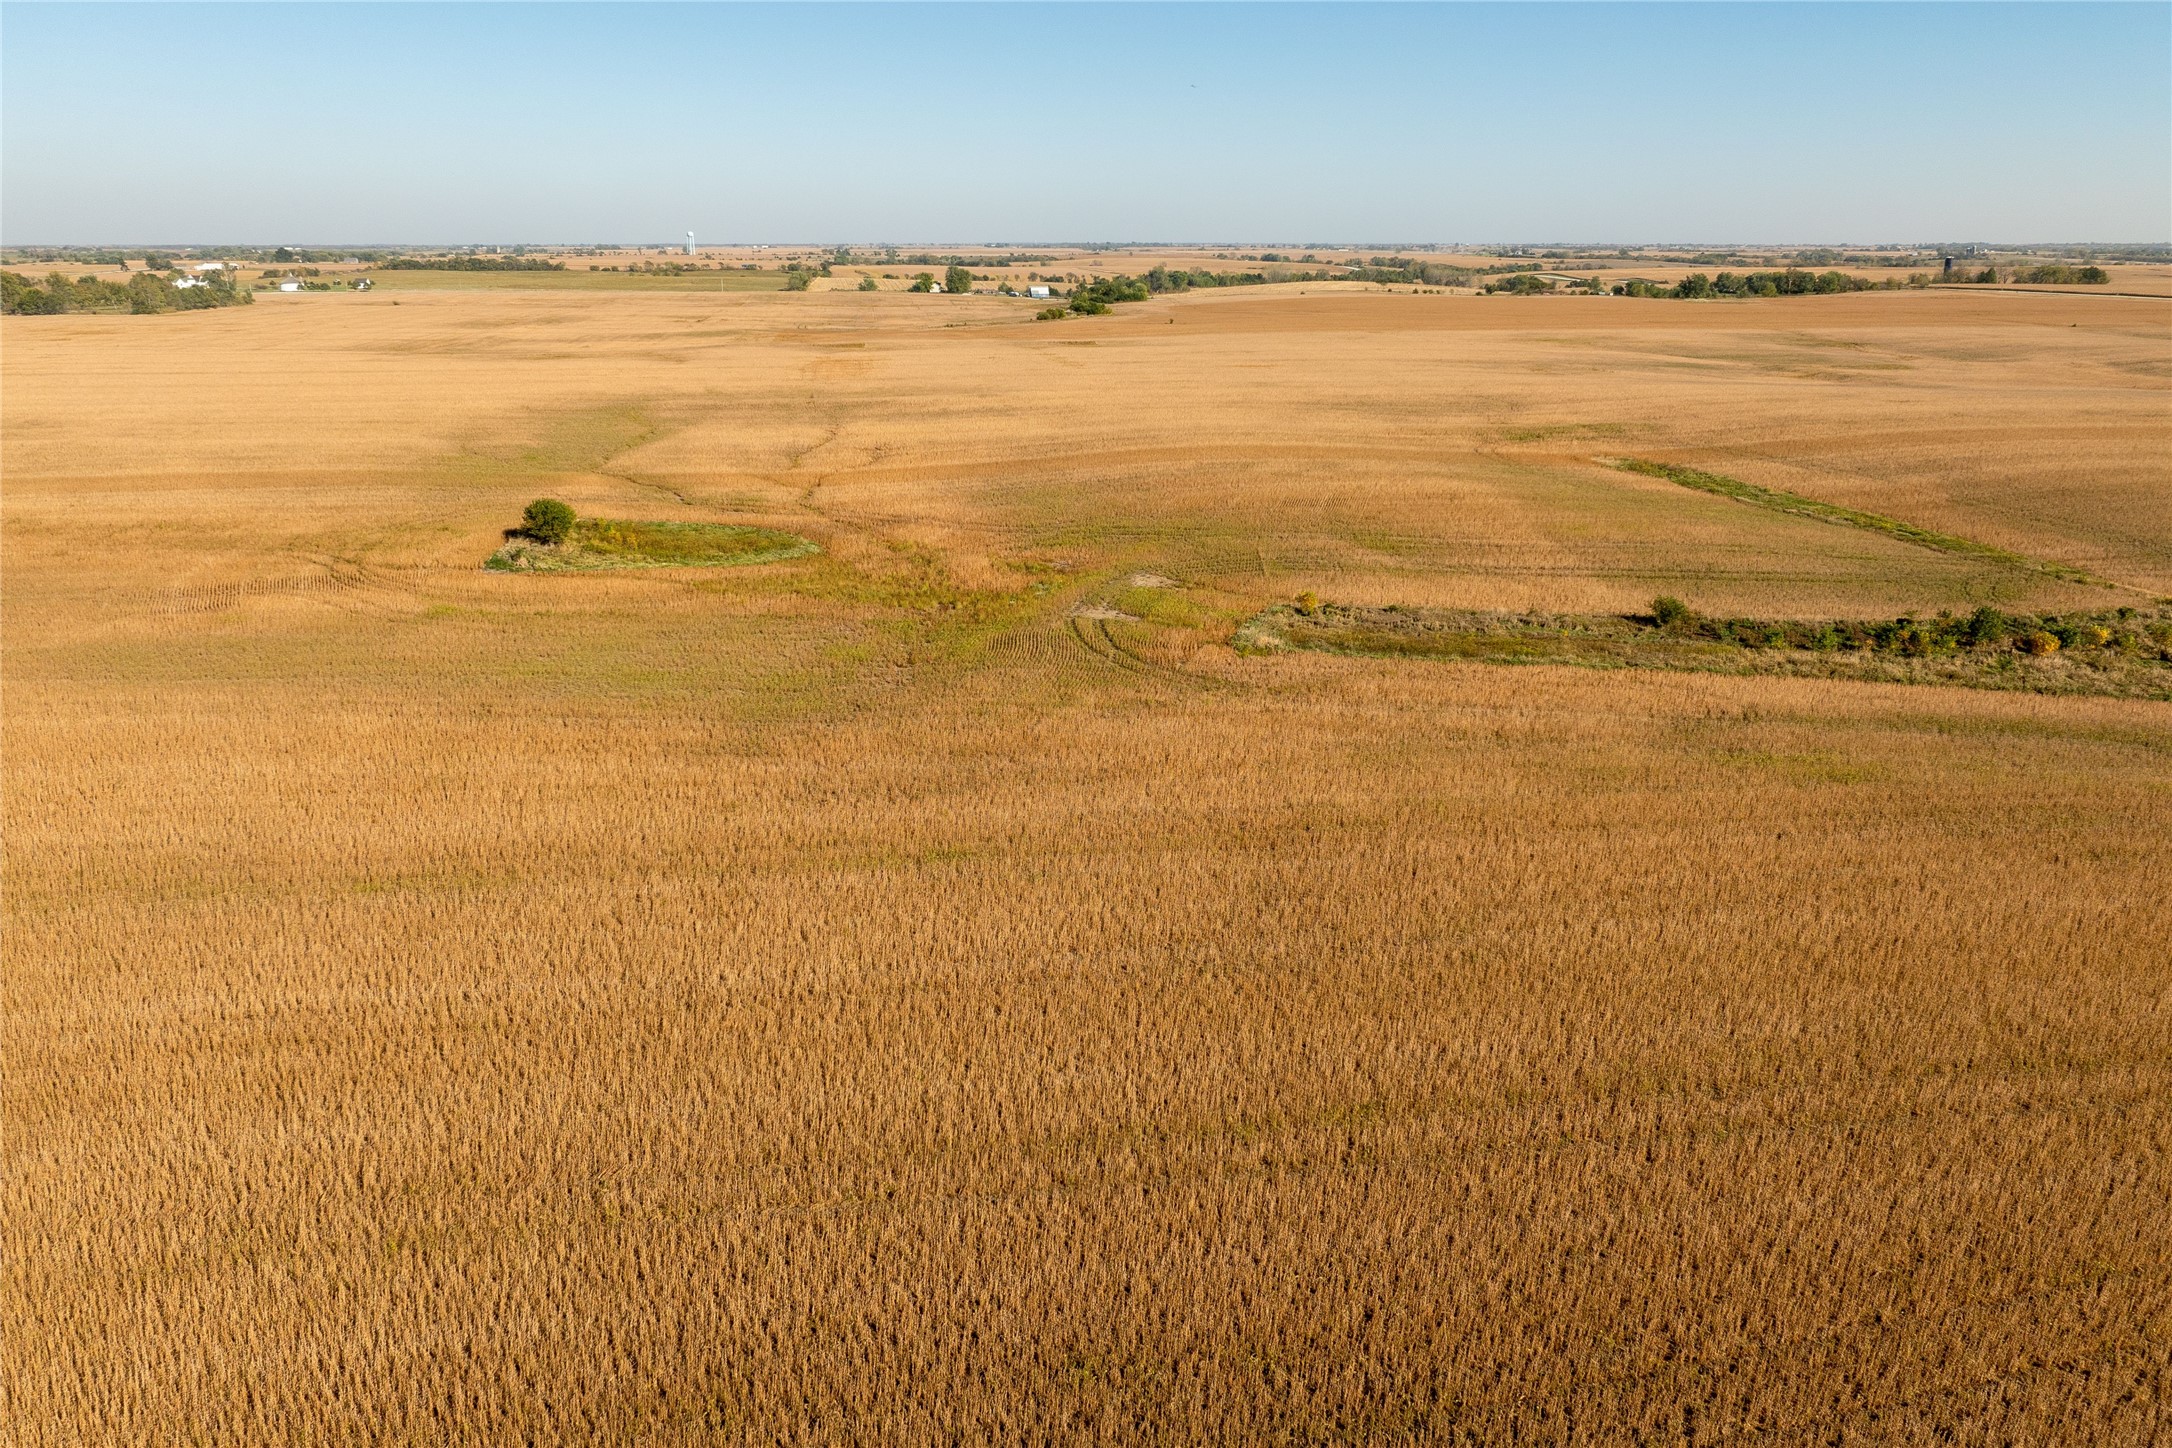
{"x": 937, "y": 990}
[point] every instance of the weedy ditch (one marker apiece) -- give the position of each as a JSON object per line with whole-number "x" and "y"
{"x": 612, "y": 543}
{"x": 1779, "y": 500}
{"x": 2122, "y": 653}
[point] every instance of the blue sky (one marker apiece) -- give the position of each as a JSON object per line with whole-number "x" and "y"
{"x": 630, "y": 122}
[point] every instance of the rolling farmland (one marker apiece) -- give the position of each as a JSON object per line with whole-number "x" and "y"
{"x": 929, "y": 986}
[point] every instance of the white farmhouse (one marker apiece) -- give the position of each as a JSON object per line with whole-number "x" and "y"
{"x": 291, "y": 284}
{"x": 1039, "y": 294}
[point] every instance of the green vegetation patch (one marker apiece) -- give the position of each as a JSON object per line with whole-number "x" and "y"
{"x": 2124, "y": 653}
{"x": 613, "y": 543}
{"x": 1780, "y": 501}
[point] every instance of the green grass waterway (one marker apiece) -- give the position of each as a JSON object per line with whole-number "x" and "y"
{"x": 615, "y": 543}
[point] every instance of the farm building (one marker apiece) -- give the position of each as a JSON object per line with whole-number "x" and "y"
{"x": 1038, "y": 293}
{"x": 291, "y": 284}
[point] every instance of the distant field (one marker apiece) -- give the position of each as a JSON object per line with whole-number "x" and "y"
{"x": 2147, "y": 279}
{"x": 573, "y": 279}
{"x": 936, "y": 989}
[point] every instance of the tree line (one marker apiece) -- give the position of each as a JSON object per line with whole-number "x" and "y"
{"x": 2054, "y": 274}
{"x": 1794, "y": 282}
{"x": 140, "y": 294}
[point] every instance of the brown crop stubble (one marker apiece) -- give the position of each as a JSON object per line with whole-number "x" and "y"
{"x": 445, "y": 1008}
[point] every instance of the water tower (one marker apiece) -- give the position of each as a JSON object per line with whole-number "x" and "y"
{"x": 690, "y": 243}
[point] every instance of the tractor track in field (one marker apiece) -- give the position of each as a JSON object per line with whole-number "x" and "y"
{"x": 1089, "y": 622}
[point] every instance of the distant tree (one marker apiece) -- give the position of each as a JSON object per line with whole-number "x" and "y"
{"x": 2061, "y": 275}
{"x": 957, "y": 279}
{"x": 547, "y": 521}
{"x": 867, "y": 284}
{"x": 18, "y": 294}
{"x": 1521, "y": 285}
{"x": 143, "y": 292}
{"x": 1095, "y": 297}
{"x": 1667, "y": 610}
{"x": 925, "y": 282}
{"x": 283, "y": 254}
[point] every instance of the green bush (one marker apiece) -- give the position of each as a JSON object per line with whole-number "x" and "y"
{"x": 867, "y": 284}
{"x": 957, "y": 279}
{"x": 1050, "y": 314}
{"x": 1985, "y": 626}
{"x": 547, "y": 521}
{"x": 1667, "y": 610}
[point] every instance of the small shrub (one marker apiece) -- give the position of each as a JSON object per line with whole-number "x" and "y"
{"x": 1667, "y": 610}
{"x": 547, "y": 521}
{"x": 1050, "y": 314}
{"x": 1308, "y": 604}
{"x": 1985, "y": 626}
{"x": 867, "y": 284}
{"x": 2038, "y": 642}
{"x": 2092, "y": 637}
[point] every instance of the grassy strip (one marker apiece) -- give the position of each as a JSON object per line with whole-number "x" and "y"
{"x": 2119, "y": 654}
{"x": 1780, "y": 501}
{"x": 610, "y": 543}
